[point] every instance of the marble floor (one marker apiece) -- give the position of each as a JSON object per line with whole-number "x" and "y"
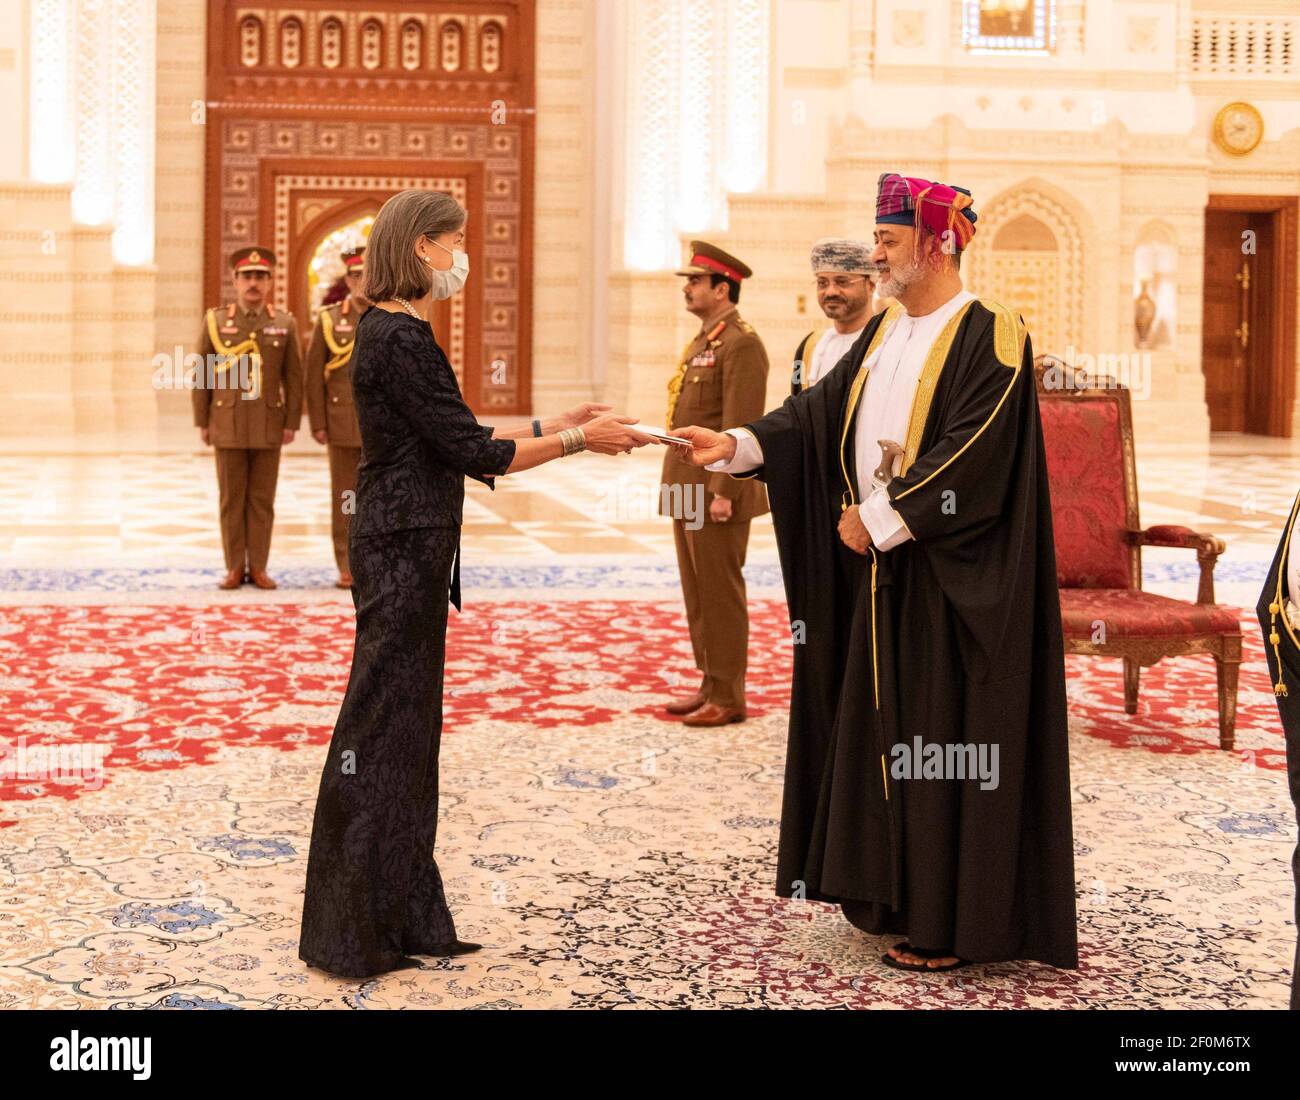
{"x": 137, "y": 509}
{"x": 149, "y": 509}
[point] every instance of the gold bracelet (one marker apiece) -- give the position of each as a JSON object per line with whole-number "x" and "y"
{"x": 572, "y": 440}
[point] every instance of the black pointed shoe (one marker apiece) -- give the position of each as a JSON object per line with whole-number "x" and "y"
{"x": 455, "y": 947}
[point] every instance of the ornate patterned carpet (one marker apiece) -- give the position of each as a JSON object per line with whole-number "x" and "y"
{"x": 606, "y": 856}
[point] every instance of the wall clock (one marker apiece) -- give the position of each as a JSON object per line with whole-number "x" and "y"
{"x": 1238, "y": 128}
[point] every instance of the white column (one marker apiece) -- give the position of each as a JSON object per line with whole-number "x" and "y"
{"x": 133, "y": 129}
{"x": 15, "y": 46}
{"x": 698, "y": 92}
{"x": 696, "y": 119}
{"x": 52, "y": 136}
{"x": 745, "y": 95}
{"x": 653, "y": 65}
{"x": 92, "y": 192}
{"x": 862, "y": 37}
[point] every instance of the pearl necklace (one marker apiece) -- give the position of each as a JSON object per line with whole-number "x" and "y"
{"x": 408, "y": 307}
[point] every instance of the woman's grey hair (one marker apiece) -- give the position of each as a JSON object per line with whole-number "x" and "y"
{"x": 393, "y": 270}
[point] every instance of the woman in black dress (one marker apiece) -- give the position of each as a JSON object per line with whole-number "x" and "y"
{"x": 373, "y": 895}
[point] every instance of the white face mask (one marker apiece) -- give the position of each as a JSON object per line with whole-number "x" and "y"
{"x": 446, "y": 283}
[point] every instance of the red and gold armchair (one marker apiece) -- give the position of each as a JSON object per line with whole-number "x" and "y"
{"x": 1088, "y": 436}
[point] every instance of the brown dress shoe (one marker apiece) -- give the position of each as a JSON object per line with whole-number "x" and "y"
{"x": 344, "y": 581}
{"x": 713, "y": 715}
{"x": 261, "y": 579}
{"x": 233, "y": 579}
{"x": 685, "y": 706}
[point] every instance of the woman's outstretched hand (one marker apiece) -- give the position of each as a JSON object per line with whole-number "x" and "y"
{"x": 610, "y": 435}
{"x": 582, "y": 414}
{"x": 706, "y": 446}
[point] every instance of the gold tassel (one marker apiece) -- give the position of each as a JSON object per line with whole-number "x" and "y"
{"x": 1275, "y": 639}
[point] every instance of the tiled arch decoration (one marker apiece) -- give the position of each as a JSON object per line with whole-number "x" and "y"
{"x": 297, "y": 204}
{"x": 1047, "y": 288}
{"x": 253, "y": 152}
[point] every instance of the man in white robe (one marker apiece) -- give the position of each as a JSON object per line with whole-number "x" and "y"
{"x": 845, "y": 279}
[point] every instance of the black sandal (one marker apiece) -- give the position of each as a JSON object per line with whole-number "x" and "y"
{"x": 925, "y": 953}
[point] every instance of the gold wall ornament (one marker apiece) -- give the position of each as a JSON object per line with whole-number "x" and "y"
{"x": 1238, "y": 128}
{"x": 909, "y": 28}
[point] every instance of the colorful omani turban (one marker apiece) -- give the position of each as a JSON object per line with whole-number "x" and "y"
{"x": 939, "y": 207}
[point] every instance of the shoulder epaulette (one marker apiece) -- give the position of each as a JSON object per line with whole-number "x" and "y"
{"x": 1009, "y": 333}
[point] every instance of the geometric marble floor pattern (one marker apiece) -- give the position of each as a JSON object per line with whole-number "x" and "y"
{"x": 152, "y": 509}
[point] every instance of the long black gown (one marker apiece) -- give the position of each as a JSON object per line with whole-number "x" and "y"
{"x": 953, "y": 637}
{"x": 1284, "y": 666}
{"x": 373, "y": 891}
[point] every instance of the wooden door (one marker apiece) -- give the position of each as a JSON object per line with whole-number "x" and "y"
{"x": 1225, "y": 326}
{"x": 1248, "y": 327}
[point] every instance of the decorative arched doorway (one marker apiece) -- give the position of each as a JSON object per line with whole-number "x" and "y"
{"x": 315, "y": 117}
{"x": 324, "y": 268}
{"x": 1034, "y": 262}
{"x": 342, "y": 222}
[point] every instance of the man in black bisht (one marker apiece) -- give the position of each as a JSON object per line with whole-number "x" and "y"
{"x": 927, "y": 775}
{"x": 1279, "y": 615}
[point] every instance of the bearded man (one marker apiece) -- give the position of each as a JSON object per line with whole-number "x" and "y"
{"x": 927, "y": 775}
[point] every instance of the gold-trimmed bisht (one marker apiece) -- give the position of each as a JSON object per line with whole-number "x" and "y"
{"x": 1277, "y": 605}
{"x": 855, "y": 393}
{"x": 1008, "y": 345}
{"x": 847, "y": 500}
{"x": 1009, "y": 335}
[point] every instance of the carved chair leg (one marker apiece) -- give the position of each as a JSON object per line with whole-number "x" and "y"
{"x": 1227, "y": 674}
{"x": 1132, "y": 671}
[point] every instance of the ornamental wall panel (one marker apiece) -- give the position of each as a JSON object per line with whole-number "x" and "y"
{"x": 1045, "y": 284}
{"x": 314, "y": 107}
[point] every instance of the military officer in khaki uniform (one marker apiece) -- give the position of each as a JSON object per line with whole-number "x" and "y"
{"x": 330, "y": 411}
{"x": 721, "y": 382}
{"x": 247, "y": 408}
